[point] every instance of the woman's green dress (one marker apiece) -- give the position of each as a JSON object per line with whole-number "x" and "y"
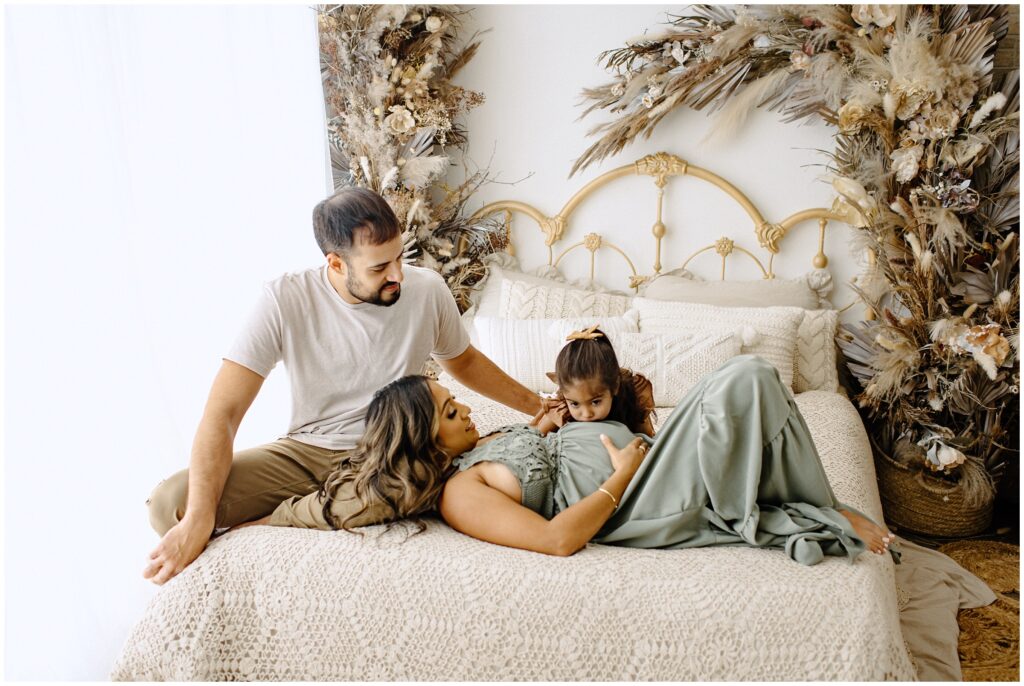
{"x": 733, "y": 465}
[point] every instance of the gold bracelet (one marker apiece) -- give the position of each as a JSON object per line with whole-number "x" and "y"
{"x": 615, "y": 500}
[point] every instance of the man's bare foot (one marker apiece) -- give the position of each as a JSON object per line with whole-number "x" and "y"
{"x": 876, "y": 538}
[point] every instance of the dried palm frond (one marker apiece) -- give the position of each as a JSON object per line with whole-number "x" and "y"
{"x": 969, "y": 47}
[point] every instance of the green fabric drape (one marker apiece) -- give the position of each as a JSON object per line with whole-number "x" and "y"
{"x": 734, "y": 464}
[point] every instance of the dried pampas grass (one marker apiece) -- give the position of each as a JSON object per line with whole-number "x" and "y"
{"x": 734, "y": 114}
{"x": 419, "y": 172}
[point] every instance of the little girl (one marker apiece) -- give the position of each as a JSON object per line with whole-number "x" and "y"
{"x": 593, "y": 388}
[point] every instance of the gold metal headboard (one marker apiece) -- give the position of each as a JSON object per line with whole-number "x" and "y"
{"x": 594, "y": 242}
{"x": 661, "y": 167}
{"x": 725, "y": 247}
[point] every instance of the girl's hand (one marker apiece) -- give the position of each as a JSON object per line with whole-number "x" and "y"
{"x": 550, "y": 417}
{"x": 544, "y": 424}
{"x": 626, "y": 459}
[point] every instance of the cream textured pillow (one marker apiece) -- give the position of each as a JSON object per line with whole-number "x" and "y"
{"x": 815, "y": 363}
{"x": 815, "y": 360}
{"x": 809, "y": 291}
{"x": 775, "y": 327}
{"x": 501, "y": 268}
{"x": 674, "y": 362}
{"x": 526, "y": 349}
{"x": 522, "y": 300}
{"x": 487, "y": 294}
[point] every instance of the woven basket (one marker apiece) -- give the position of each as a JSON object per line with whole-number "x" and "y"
{"x": 924, "y": 504}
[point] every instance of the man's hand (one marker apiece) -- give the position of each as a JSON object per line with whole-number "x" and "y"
{"x": 233, "y": 391}
{"x": 177, "y": 549}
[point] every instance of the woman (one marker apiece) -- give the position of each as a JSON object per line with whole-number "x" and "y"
{"x": 733, "y": 465}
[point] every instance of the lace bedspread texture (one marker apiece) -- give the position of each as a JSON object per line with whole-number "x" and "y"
{"x": 267, "y": 603}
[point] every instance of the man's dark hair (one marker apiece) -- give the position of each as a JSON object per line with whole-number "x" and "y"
{"x": 336, "y": 220}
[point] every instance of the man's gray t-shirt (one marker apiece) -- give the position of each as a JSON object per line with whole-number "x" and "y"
{"x": 338, "y": 354}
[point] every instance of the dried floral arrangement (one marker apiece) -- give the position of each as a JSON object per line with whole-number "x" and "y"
{"x": 392, "y": 126}
{"x": 926, "y": 165}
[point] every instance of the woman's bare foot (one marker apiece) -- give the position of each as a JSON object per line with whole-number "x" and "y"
{"x": 876, "y": 538}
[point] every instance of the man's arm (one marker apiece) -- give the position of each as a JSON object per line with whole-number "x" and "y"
{"x": 234, "y": 389}
{"x": 475, "y": 371}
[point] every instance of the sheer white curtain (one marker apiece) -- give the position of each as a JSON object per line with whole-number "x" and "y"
{"x": 160, "y": 164}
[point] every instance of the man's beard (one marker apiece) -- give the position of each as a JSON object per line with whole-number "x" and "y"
{"x": 376, "y": 298}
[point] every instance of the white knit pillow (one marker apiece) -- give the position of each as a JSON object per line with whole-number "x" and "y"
{"x": 815, "y": 364}
{"x": 674, "y": 362}
{"x": 502, "y": 267}
{"x": 522, "y": 300}
{"x": 526, "y": 349}
{"x": 775, "y": 327}
{"x": 815, "y": 357}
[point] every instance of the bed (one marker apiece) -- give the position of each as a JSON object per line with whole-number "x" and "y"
{"x": 266, "y": 603}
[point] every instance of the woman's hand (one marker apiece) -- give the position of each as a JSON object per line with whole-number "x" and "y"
{"x": 626, "y": 459}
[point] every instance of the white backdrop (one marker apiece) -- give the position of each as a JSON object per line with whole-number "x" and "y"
{"x": 161, "y": 163}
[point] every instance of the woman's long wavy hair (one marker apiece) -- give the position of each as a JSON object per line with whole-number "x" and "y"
{"x": 397, "y": 462}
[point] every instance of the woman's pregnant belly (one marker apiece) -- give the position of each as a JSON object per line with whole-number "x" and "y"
{"x": 583, "y": 461}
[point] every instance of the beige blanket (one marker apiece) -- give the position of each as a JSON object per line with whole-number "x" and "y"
{"x": 289, "y": 604}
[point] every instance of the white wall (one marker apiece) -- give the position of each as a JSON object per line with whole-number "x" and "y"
{"x": 532, "y": 66}
{"x": 161, "y": 163}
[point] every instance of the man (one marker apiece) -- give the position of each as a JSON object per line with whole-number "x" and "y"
{"x": 343, "y": 330}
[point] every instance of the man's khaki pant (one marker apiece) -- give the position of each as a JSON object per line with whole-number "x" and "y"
{"x": 259, "y": 480}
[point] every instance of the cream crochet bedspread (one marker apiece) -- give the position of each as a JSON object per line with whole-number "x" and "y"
{"x": 266, "y": 603}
